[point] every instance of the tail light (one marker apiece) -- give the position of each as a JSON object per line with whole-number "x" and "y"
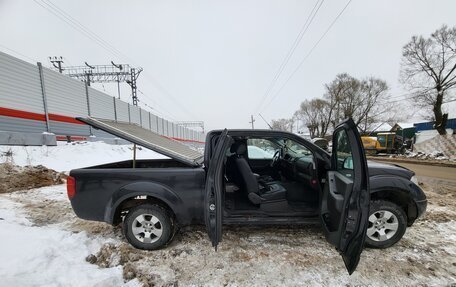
{"x": 71, "y": 187}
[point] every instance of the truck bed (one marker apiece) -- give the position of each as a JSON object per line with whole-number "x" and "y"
{"x": 101, "y": 189}
{"x": 147, "y": 163}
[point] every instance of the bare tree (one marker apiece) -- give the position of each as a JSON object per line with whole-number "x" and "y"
{"x": 341, "y": 95}
{"x": 282, "y": 125}
{"x": 428, "y": 69}
{"x": 363, "y": 100}
{"x": 373, "y": 105}
{"x": 366, "y": 101}
{"x": 313, "y": 113}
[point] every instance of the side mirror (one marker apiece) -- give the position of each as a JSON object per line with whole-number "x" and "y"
{"x": 348, "y": 163}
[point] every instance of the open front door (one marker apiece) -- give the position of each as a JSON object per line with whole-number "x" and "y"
{"x": 213, "y": 211}
{"x": 346, "y": 196}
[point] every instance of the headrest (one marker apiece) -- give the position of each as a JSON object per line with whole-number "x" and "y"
{"x": 239, "y": 148}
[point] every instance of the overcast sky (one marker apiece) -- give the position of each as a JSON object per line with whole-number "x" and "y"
{"x": 214, "y": 60}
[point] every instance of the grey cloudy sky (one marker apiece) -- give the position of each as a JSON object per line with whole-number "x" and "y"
{"x": 214, "y": 60}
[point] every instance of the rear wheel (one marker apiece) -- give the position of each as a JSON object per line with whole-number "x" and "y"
{"x": 148, "y": 227}
{"x": 387, "y": 224}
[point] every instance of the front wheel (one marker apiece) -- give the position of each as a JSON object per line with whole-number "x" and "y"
{"x": 387, "y": 224}
{"x": 148, "y": 227}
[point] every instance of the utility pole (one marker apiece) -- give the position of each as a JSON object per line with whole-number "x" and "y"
{"x": 252, "y": 121}
{"x": 57, "y": 63}
{"x": 88, "y": 73}
{"x": 120, "y": 67}
{"x": 134, "y": 74}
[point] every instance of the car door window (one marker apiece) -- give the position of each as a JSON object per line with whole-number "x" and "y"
{"x": 343, "y": 154}
{"x": 296, "y": 149}
{"x": 260, "y": 149}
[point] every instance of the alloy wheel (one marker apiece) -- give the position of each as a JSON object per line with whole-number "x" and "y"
{"x": 147, "y": 228}
{"x": 383, "y": 225}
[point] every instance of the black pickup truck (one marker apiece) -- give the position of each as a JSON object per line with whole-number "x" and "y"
{"x": 249, "y": 177}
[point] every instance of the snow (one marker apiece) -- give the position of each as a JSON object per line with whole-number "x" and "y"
{"x": 422, "y": 136}
{"x": 66, "y": 156}
{"x": 44, "y": 244}
{"x": 47, "y": 255}
{"x": 450, "y": 108}
{"x": 405, "y": 125}
{"x": 380, "y": 127}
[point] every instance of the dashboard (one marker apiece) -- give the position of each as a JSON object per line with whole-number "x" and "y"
{"x": 299, "y": 168}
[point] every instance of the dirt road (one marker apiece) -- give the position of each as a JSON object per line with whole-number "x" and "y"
{"x": 431, "y": 171}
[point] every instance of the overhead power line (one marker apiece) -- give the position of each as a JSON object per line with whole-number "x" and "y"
{"x": 290, "y": 53}
{"x": 155, "y": 111}
{"x": 51, "y": 8}
{"x": 163, "y": 110}
{"x": 414, "y": 97}
{"x": 96, "y": 36}
{"x": 164, "y": 91}
{"x": 308, "y": 54}
{"x": 18, "y": 53}
{"x": 78, "y": 26}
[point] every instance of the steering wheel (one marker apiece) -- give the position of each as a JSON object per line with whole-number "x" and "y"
{"x": 275, "y": 158}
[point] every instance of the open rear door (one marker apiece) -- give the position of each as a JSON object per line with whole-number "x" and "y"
{"x": 213, "y": 211}
{"x": 346, "y": 196}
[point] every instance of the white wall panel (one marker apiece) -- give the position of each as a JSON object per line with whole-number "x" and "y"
{"x": 165, "y": 128}
{"x": 20, "y": 86}
{"x": 170, "y": 129}
{"x": 68, "y": 129}
{"x": 21, "y": 125}
{"x": 65, "y": 96}
{"x": 154, "y": 123}
{"x": 160, "y": 125}
{"x": 122, "y": 111}
{"x": 101, "y": 105}
{"x": 134, "y": 115}
{"x": 145, "y": 119}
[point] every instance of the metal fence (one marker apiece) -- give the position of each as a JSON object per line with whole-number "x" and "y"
{"x": 35, "y": 99}
{"x": 425, "y": 126}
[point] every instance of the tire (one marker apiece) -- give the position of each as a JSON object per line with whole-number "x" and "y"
{"x": 387, "y": 224}
{"x": 148, "y": 227}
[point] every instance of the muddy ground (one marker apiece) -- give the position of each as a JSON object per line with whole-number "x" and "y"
{"x": 13, "y": 177}
{"x": 272, "y": 256}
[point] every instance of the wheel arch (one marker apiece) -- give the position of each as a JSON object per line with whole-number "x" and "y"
{"x": 400, "y": 197}
{"x": 397, "y": 190}
{"x": 138, "y": 193}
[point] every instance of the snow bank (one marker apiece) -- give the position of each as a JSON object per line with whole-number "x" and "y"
{"x": 67, "y": 156}
{"x": 443, "y": 146}
{"x": 47, "y": 255}
{"x": 423, "y": 136}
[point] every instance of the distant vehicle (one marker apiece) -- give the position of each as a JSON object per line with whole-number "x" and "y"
{"x": 385, "y": 142}
{"x": 355, "y": 202}
{"x": 369, "y": 144}
{"x": 389, "y": 142}
{"x": 321, "y": 143}
{"x": 305, "y": 136}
